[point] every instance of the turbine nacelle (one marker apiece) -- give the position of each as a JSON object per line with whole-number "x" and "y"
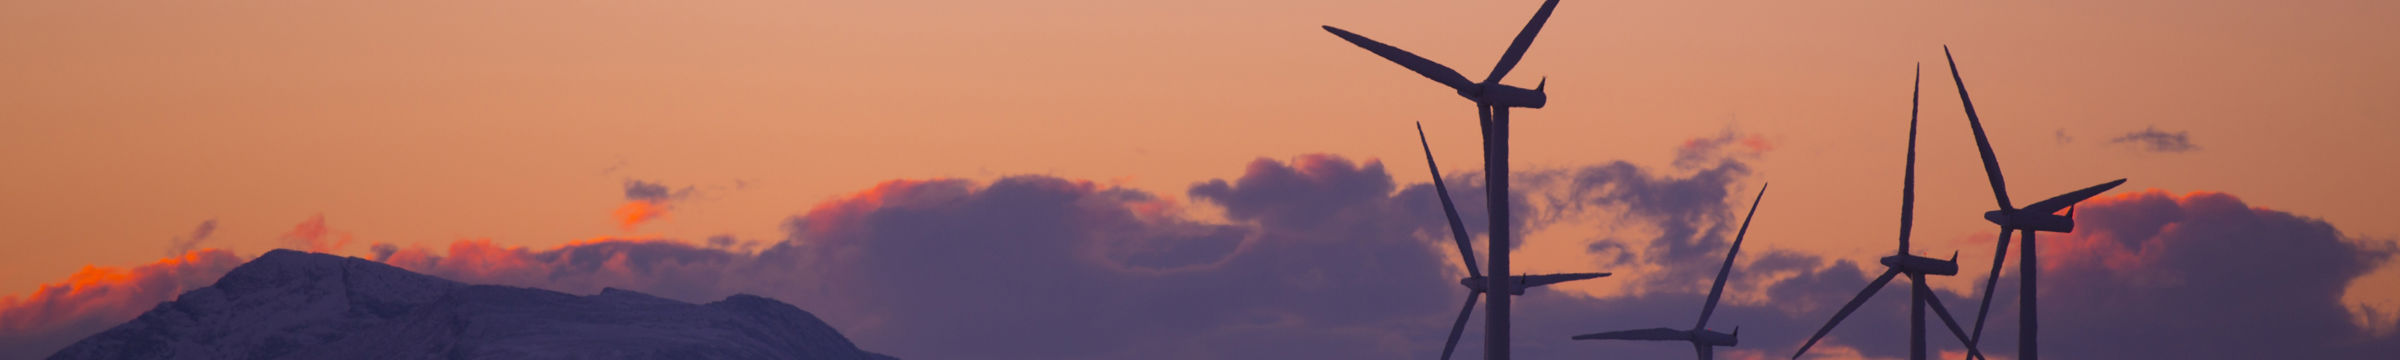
{"x": 2028, "y": 220}
{"x": 1509, "y": 96}
{"x": 1913, "y": 264}
{"x": 1713, "y": 338}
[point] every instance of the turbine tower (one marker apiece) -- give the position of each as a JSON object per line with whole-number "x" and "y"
{"x": 1492, "y": 101}
{"x": 1475, "y": 282}
{"x": 1703, "y": 340}
{"x": 1916, "y": 267}
{"x": 2041, "y": 216}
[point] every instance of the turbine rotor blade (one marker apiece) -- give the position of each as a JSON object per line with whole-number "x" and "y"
{"x": 2054, "y": 204}
{"x": 1991, "y": 164}
{"x": 1944, "y": 313}
{"x": 1706, "y": 352}
{"x": 1641, "y": 334}
{"x": 1460, "y": 327}
{"x": 1863, "y": 295}
{"x": 1718, "y": 289}
{"x": 1908, "y": 187}
{"x": 1999, "y": 257}
{"x": 1458, "y": 230}
{"x": 1531, "y": 281}
{"x": 1516, "y": 49}
{"x": 1428, "y": 68}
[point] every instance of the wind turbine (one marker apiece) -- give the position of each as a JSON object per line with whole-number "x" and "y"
{"x": 1916, "y": 267}
{"x": 1492, "y": 101}
{"x": 1476, "y": 284}
{"x": 2041, "y": 216}
{"x": 1703, "y": 340}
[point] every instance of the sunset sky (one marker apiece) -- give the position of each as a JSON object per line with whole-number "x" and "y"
{"x": 128, "y": 127}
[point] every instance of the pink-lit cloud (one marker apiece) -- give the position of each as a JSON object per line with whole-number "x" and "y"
{"x": 98, "y": 297}
{"x": 313, "y": 236}
{"x": 646, "y": 201}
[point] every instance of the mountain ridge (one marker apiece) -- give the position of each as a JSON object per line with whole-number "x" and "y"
{"x": 295, "y": 305}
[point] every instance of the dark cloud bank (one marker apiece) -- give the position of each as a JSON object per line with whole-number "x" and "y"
{"x": 1325, "y": 257}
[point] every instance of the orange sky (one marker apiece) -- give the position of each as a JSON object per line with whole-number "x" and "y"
{"x": 123, "y": 125}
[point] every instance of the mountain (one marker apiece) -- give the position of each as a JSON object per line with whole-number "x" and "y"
{"x": 297, "y": 305}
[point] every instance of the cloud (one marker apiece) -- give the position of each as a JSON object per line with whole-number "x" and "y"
{"x": 185, "y": 244}
{"x": 2158, "y": 141}
{"x": 634, "y": 213}
{"x": 637, "y": 190}
{"x": 2148, "y": 269}
{"x": 1705, "y": 151}
{"x": 666, "y": 267}
{"x": 97, "y": 297}
{"x": 313, "y": 236}
{"x": 1690, "y": 206}
{"x": 1040, "y": 267}
{"x": 646, "y": 201}
{"x": 1312, "y": 189}
{"x": 1325, "y": 257}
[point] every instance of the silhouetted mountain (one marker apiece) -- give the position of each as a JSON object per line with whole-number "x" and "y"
{"x": 297, "y": 305}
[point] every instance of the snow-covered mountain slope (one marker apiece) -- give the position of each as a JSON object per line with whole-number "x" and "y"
{"x": 297, "y": 305}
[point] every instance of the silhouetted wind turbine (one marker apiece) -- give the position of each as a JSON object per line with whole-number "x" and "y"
{"x": 1475, "y": 282}
{"x": 1917, "y": 267}
{"x": 2041, "y": 216}
{"x": 1703, "y": 340}
{"x": 1492, "y": 101}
